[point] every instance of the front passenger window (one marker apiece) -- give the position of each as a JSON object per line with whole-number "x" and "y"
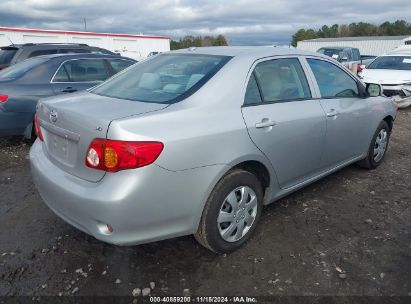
{"x": 332, "y": 81}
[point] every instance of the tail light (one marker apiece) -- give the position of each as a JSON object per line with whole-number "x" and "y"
{"x": 115, "y": 155}
{"x": 3, "y": 98}
{"x": 37, "y": 128}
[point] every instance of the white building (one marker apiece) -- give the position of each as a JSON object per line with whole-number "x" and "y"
{"x": 141, "y": 45}
{"x": 372, "y": 45}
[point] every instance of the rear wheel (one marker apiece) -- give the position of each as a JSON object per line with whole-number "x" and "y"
{"x": 377, "y": 148}
{"x": 231, "y": 212}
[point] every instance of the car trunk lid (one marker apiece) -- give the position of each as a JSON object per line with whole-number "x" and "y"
{"x": 69, "y": 124}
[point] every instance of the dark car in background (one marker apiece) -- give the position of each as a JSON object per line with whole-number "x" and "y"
{"x": 15, "y": 53}
{"x": 23, "y": 84}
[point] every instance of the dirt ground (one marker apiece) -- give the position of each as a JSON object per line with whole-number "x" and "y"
{"x": 348, "y": 234}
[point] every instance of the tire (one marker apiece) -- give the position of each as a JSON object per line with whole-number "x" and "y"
{"x": 30, "y": 136}
{"x": 224, "y": 203}
{"x": 378, "y": 147}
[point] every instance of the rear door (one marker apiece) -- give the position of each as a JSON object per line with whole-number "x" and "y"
{"x": 284, "y": 120}
{"x": 346, "y": 111}
{"x": 79, "y": 74}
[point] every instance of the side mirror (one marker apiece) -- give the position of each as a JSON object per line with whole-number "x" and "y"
{"x": 374, "y": 89}
{"x": 344, "y": 59}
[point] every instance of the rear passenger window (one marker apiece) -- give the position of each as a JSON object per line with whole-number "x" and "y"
{"x": 84, "y": 70}
{"x": 42, "y": 52}
{"x": 332, "y": 81}
{"x": 252, "y": 94}
{"x": 282, "y": 80}
{"x": 119, "y": 64}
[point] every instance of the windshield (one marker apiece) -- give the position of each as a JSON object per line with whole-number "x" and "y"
{"x": 337, "y": 54}
{"x": 6, "y": 55}
{"x": 166, "y": 78}
{"x": 391, "y": 63}
{"x": 21, "y": 68}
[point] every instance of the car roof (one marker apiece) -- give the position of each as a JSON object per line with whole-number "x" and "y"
{"x": 396, "y": 54}
{"x": 247, "y": 51}
{"x": 81, "y": 56}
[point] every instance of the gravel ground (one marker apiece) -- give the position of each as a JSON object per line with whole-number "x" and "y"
{"x": 348, "y": 234}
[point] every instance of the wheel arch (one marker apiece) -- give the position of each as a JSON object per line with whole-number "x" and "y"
{"x": 390, "y": 121}
{"x": 258, "y": 169}
{"x": 256, "y": 165}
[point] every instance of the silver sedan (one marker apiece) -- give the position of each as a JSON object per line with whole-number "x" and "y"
{"x": 198, "y": 140}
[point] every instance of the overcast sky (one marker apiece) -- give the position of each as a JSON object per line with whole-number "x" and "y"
{"x": 244, "y": 22}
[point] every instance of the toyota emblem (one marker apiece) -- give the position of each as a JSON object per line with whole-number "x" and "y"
{"x": 53, "y": 116}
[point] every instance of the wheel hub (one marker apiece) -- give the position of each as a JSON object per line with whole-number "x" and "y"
{"x": 237, "y": 214}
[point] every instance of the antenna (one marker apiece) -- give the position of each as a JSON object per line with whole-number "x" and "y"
{"x": 10, "y": 40}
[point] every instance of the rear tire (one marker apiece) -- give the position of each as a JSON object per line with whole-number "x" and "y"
{"x": 231, "y": 213}
{"x": 378, "y": 147}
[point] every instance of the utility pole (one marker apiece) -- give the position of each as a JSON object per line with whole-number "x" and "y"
{"x": 85, "y": 24}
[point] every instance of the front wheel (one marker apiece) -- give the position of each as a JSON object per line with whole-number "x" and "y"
{"x": 377, "y": 148}
{"x": 231, "y": 212}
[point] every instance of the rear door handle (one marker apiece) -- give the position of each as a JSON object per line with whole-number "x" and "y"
{"x": 265, "y": 123}
{"x": 69, "y": 90}
{"x": 332, "y": 113}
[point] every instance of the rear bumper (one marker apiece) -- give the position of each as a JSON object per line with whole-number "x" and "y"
{"x": 142, "y": 205}
{"x": 14, "y": 123}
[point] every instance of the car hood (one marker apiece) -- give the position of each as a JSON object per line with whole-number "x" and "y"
{"x": 386, "y": 76}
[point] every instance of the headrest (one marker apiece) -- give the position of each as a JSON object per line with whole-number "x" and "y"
{"x": 150, "y": 81}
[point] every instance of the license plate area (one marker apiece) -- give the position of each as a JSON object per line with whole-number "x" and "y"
{"x": 61, "y": 148}
{"x": 58, "y": 146}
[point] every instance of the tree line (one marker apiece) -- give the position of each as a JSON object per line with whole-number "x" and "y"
{"x": 399, "y": 27}
{"x": 197, "y": 41}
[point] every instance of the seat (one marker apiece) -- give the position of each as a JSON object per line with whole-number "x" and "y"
{"x": 194, "y": 78}
{"x": 78, "y": 73}
{"x": 270, "y": 83}
{"x": 150, "y": 81}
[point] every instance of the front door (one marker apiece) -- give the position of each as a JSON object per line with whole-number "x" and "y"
{"x": 346, "y": 113}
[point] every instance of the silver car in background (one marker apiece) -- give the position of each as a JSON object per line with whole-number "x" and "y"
{"x": 196, "y": 141}
{"x": 393, "y": 72}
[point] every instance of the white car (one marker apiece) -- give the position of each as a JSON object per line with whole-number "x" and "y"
{"x": 393, "y": 72}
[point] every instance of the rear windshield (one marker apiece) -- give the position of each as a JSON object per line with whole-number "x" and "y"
{"x": 166, "y": 78}
{"x": 21, "y": 68}
{"x": 337, "y": 54}
{"x": 391, "y": 63}
{"x": 6, "y": 55}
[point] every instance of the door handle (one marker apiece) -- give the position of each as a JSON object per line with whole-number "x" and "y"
{"x": 265, "y": 122}
{"x": 332, "y": 113}
{"x": 69, "y": 90}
